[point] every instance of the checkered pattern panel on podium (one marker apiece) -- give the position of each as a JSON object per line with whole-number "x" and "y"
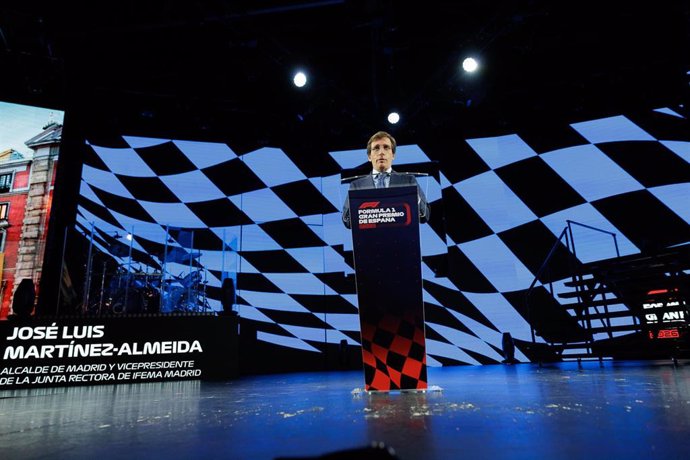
{"x": 498, "y": 206}
{"x": 394, "y": 343}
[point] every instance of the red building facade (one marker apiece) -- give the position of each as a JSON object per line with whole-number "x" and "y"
{"x": 26, "y": 192}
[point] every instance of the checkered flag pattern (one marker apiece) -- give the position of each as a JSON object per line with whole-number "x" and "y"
{"x": 498, "y": 206}
{"x": 394, "y": 343}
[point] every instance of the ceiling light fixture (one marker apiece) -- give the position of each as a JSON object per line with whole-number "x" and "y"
{"x": 300, "y": 79}
{"x": 470, "y": 64}
{"x": 393, "y": 118}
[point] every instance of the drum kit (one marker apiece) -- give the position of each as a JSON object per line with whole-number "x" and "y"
{"x": 120, "y": 288}
{"x": 151, "y": 292}
{"x": 183, "y": 293}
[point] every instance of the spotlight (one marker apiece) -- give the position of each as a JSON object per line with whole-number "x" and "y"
{"x": 129, "y": 237}
{"x": 393, "y": 118}
{"x": 300, "y": 79}
{"x": 470, "y": 65}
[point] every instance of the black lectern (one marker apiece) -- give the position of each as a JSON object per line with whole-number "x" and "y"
{"x": 387, "y": 256}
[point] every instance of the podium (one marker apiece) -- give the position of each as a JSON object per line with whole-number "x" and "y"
{"x": 387, "y": 259}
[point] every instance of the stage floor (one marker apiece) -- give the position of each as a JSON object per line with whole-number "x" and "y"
{"x": 619, "y": 410}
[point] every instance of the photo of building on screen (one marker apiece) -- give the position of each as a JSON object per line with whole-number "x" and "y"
{"x": 26, "y": 191}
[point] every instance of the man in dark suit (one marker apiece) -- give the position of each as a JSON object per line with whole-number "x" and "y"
{"x": 381, "y": 153}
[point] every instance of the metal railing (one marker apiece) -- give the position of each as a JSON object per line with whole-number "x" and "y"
{"x": 572, "y": 238}
{"x": 567, "y": 235}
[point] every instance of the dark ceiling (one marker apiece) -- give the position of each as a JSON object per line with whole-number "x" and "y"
{"x": 224, "y": 68}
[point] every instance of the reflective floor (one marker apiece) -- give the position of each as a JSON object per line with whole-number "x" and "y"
{"x": 618, "y": 410}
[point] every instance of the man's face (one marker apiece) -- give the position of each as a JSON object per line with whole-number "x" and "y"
{"x": 381, "y": 156}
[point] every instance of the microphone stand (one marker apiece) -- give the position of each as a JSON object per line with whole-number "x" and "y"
{"x": 347, "y": 180}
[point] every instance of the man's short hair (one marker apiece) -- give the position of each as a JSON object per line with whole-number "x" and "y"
{"x": 380, "y": 135}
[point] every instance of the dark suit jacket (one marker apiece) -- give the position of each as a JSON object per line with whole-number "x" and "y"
{"x": 396, "y": 180}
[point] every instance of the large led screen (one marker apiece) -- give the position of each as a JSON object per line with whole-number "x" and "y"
{"x": 190, "y": 227}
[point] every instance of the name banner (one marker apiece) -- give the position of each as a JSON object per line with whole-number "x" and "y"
{"x": 85, "y": 351}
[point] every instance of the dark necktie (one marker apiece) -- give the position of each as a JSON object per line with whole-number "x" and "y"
{"x": 380, "y": 179}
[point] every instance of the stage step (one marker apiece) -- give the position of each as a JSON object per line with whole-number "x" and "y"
{"x": 594, "y": 303}
{"x": 593, "y": 292}
{"x": 605, "y": 315}
{"x": 585, "y": 282}
{"x": 619, "y": 328}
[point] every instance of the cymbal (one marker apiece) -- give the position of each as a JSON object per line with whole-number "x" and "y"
{"x": 179, "y": 255}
